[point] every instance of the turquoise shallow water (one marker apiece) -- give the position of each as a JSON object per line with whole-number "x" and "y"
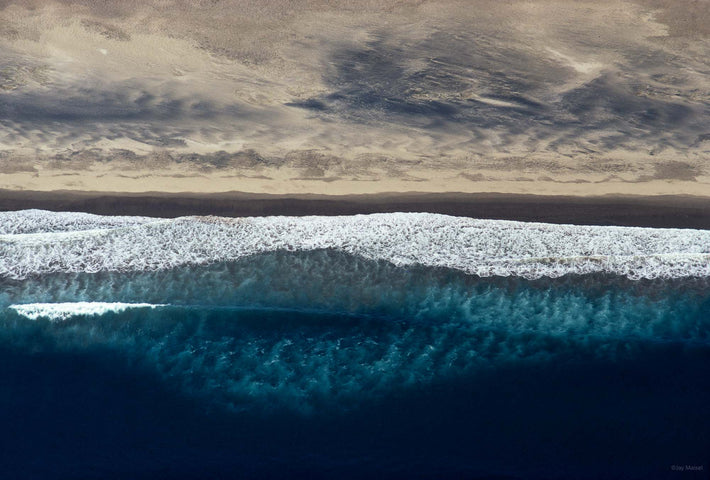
{"x": 325, "y": 364}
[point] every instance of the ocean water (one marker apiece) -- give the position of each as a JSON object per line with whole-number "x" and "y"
{"x": 379, "y": 346}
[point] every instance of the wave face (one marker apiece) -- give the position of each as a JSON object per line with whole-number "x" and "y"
{"x": 278, "y": 348}
{"x": 480, "y": 247}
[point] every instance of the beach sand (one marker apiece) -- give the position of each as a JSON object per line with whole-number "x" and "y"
{"x": 592, "y": 99}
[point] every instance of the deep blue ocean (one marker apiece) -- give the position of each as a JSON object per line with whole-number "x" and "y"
{"x": 326, "y": 365}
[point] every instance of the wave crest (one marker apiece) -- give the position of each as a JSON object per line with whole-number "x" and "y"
{"x": 62, "y": 311}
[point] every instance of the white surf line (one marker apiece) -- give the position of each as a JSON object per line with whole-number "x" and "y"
{"x": 62, "y": 311}
{"x": 477, "y": 247}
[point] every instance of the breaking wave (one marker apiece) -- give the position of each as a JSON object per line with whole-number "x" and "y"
{"x": 63, "y": 311}
{"x": 44, "y": 242}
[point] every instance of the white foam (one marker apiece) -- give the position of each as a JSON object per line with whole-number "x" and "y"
{"x": 479, "y": 247}
{"x": 62, "y": 311}
{"x": 42, "y": 221}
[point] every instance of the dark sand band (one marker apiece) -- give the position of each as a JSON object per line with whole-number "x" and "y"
{"x": 652, "y": 211}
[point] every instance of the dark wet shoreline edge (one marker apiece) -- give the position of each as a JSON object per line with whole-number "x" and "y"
{"x": 642, "y": 211}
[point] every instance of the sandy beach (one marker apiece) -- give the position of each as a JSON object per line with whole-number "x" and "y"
{"x": 552, "y": 98}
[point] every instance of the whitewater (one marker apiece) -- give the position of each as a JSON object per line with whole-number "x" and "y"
{"x": 34, "y": 242}
{"x": 64, "y": 310}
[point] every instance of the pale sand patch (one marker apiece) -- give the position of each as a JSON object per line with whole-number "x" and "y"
{"x": 587, "y": 68}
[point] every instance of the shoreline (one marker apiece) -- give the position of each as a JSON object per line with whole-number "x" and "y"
{"x": 641, "y": 211}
